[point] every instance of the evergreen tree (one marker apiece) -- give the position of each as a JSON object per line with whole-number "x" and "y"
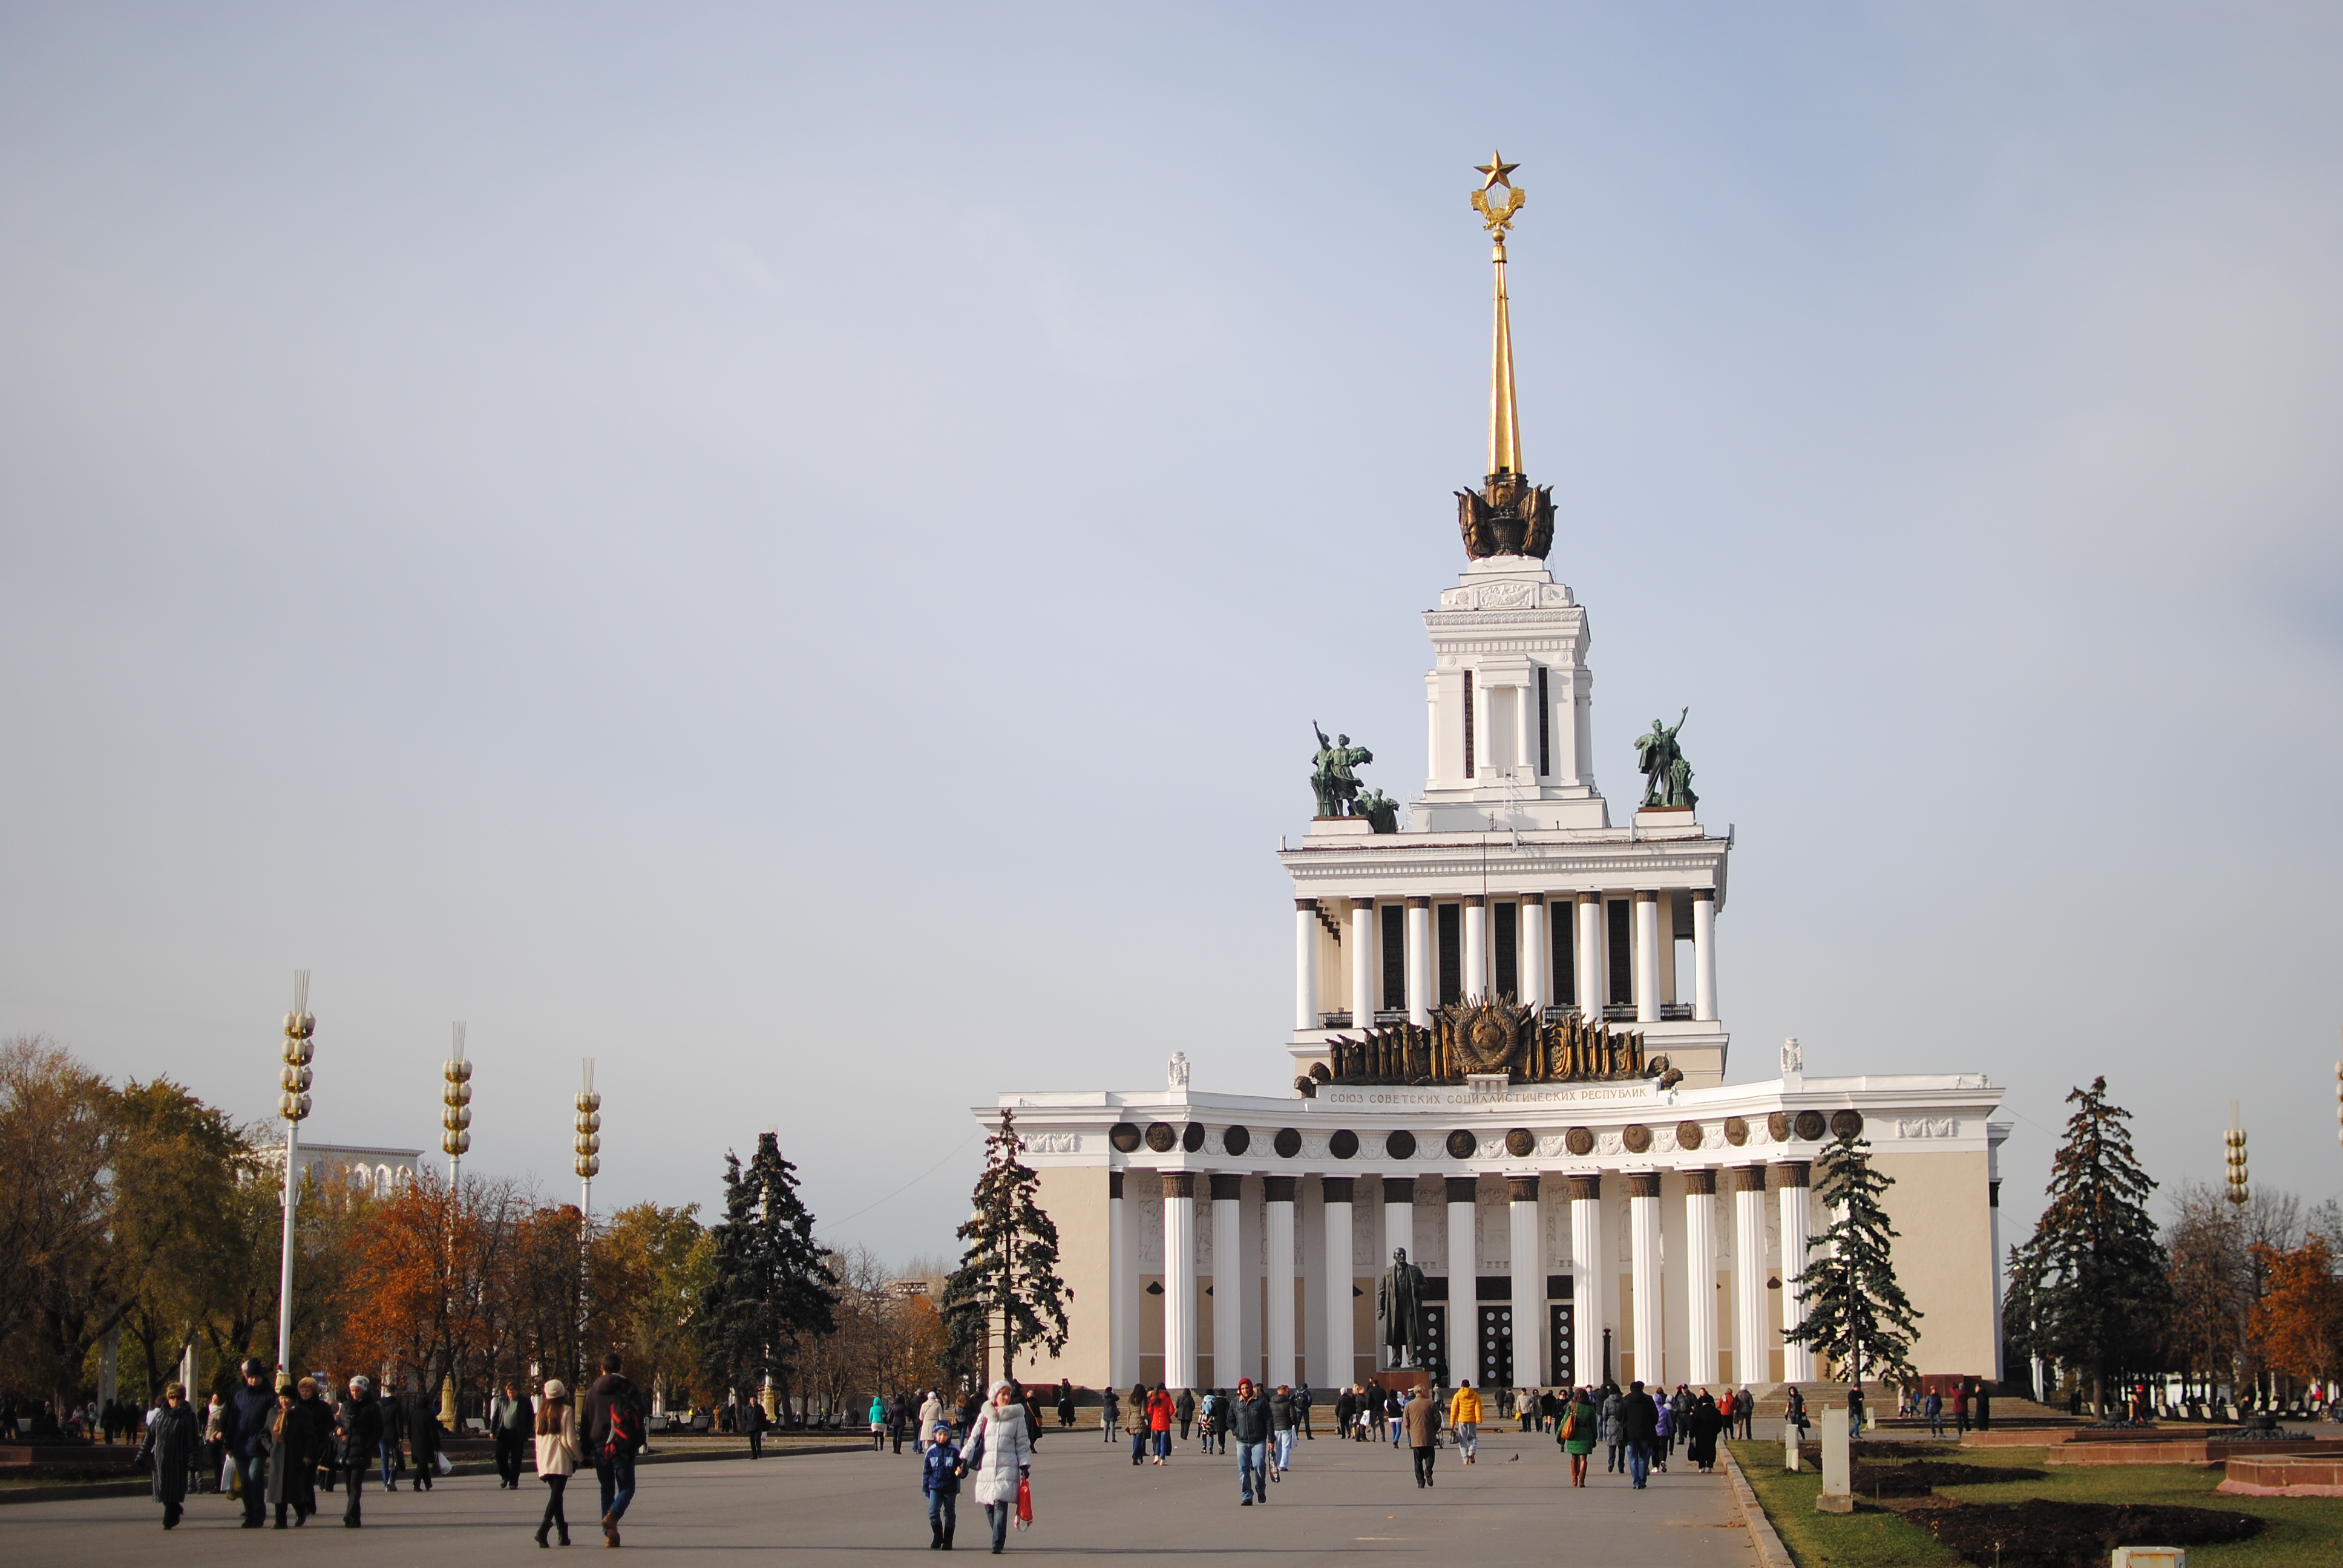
{"x": 1007, "y": 1284}
{"x": 2101, "y": 1294}
{"x": 1856, "y": 1314}
{"x": 771, "y": 1286}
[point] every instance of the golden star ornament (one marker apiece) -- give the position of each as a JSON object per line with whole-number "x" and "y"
{"x": 1496, "y": 169}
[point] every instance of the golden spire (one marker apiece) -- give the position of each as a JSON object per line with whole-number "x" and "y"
{"x": 1505, "y": 421}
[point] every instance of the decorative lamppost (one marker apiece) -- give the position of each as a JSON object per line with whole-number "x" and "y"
{"x": 2235, "y": 1139}
{"x": 293, "y": 1104}
{"x": 588, "y": 1145}
{"x": 456, "y": 1097}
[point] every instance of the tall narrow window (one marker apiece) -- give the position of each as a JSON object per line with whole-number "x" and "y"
{"x": 1468, "y": 724}
{"x": 1394, "y": 923}
{"x": 1560, "y": 914}
{"x": 1505, "y": 946}
{"x": 1622, "y": 915}
{"x": 1452, "y": 953}
{"x": 1545, "y": 712}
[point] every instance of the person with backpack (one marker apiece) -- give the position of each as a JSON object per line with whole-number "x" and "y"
{"x": 940, "y": 1484}
{"x": 613, "y": 1420}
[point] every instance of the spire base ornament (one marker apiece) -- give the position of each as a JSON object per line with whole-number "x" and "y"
{"x": 1508, "y": 516}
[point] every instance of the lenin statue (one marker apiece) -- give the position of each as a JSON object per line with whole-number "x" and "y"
{"x": 1398, "y": 1304}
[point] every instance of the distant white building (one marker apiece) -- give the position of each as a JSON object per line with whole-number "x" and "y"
{"x": 381, "y": 1170}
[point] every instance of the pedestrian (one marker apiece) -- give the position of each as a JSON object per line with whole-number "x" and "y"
{"x": 1464, "y": 1415}
{"x": 1249, "y": 1423}
{"x": 509, "y": 1423}
{"x": 423, "y": 1439}
{"x": 612, "y": 1418}
{"x": 1984, "y": 1406}
{"x": 1744, "y": 1404}
{"x": 1065, "y": 1403}
{"x": 1932, "y": 1405}
{"x": 216, "y": 1443}
{"x": 1576, "y": 1433}
{"x": 1184, "y": 1408}
{"x": 318, "y": 1418}
{"x": 931, "y": 1411}
{"x": 1140, "y": 1435}
{"x": 940, "y": 1484}
{"x": 1961, "y": 1408}
{"x": 1000, "y": 1453}
{"x": 1395, "y": 1410}
{"x": 1159, "y": 1423}
{"x": 170, "y": 1446}
{"x": 752, "y": 1421}
{"x": 362, "y": 1443}
{"x": 1110, "y": 1414}
{"x": 1422, "y": 1419}
{"x": 248, "y": 1419}
{"x": 1664, "y": 1417}
{"x": 1854, "y": 1408}
{"x": 1614, "y": 1440}
{"x": 556, "y": 1455}
{"x": 878, "y": 1423}
{"x": 1303, "y": 1399}
{"x": 1701, "y": 1428}
{"x": 1280, "y": 1430}
{"x": 1346, "y": 1411}
{"x": 1639, "y": 1421}
{"x": 1794, "y": 1417}
{"x": 1524, "y": 1402}
{"x": 289, "y": 1465}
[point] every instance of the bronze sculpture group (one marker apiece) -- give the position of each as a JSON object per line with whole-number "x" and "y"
{"x": 1491, "y": 1035}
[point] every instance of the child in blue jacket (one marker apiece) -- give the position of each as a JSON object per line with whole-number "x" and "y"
{"x": 939, "y": 1479}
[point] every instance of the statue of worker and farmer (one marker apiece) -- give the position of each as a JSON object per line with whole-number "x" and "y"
{"x": 1338, "y": 789}
{"x": 1667, "y": 776}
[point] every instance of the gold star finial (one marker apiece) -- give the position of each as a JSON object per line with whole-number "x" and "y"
{"x": 1496, "y": 169}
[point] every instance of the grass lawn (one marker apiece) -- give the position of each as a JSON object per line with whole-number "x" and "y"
{"x": 2303, "y": 1533}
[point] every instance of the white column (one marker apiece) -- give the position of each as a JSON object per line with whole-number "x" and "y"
{"x": 1524, "y": 732}
{"x": 1643, "y": 1245}
{"x": 1419, "y": 962}
{"x": 1305, "y": 963}
{"x": 1399, "y": 1232}
{"x": 1179, "y": 1278}
{"x": 1363, "y": 966}
{"x": 1581, "y": 724}
{"x": 1463, "y": 1281}
{"x": 1537, "y": 957}
{"x": 1700, "y": 1277}
{"x": 1647, "y": 959}
{"x": 1278, "y": 1237}
{"x": 1587, "y": 1278}
{"x": 1751, "y": 1366}
{"x": 1476, "y": 946}
{"x": 1482, "y": 762}
{"x": 1704, "y": 954}
{"x": 1993, "y": 1211}
{"x": 1797, "y": 1361}
{"x": 1123, "y": 1287}
{"x": 1594, "y": 974}
{"x": 1527, "y": 1269}
{"x": 1340, "y": 1368}
{"x": 1228, "y": 1282}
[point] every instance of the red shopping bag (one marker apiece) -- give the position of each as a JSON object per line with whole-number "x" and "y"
{"x": 1024, "y": 1503}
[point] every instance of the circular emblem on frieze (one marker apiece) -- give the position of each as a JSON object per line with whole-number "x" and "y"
{"x": 1160, "y": 1137}
{"x": 1344, "y": 1144}
{"x": 1688, "y": 1134}
{"x": 1462, "y": 1145}
{"x": 1236, "y": 1140}
{"x": 1846, "y": 1124}
{"x": 1194, "y": 1139}
{"x": 1579, "y": 1140}
{"x": 1810, "y": 1125}
{"x": 1124, "y": 1136}
{"x": 1401, "y": 1145}
{"x": 1777, "y": 1126}
{"x": 1638, "y": 1139}
{"x": 1519, "y": 1143}
{"x": 1736, "y": 1132}
{"x": 1288, "y": 1143}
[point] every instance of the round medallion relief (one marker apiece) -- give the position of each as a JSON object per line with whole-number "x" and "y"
{"x": 1401, "y": 1145}
{"x": 1777, "y": 1126}
{"x": 1579, "y": 1140}
{"x": 1288, "y": 1143}
{"x": 1193, "y": 1140}
{"x": 1846, "y": 1124}
{"x": 1236, "y": 1140}
{"x": 1462, "y": 1145}
{"x": 1688, "y": 1134}
{"x": 1124, "y": 1136}
{"x": 1638, "y": 1139}
{"x": 1810, "y": 1125}
{"x": 1344, "y": 1144}
{"x": 1736, "y": 1132}
{"x": 1160, "y": 1137}
{"x": 1518, "y": 1142}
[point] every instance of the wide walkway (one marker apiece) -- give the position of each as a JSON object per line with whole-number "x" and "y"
{"x": 1341, "y": 1499}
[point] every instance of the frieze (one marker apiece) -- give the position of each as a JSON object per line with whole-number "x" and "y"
{"x": 1929, "y": 1127}
{"x": 1486, "y": 1045}
{"x": 1052, "y": 1142}
{"x": 1505, "y": 596}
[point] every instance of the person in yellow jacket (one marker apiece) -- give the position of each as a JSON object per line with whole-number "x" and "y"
{"x": 1464, "y": 1417}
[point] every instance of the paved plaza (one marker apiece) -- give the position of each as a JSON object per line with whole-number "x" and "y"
{"x": 1341, "y": 1500}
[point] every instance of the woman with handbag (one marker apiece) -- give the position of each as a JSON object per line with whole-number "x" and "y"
{"x": 170, "y": 1447}
{"x": 1577, "y": 1432}
{"x": 1000, "y": 1454}
{"x": 556, "y": 1455}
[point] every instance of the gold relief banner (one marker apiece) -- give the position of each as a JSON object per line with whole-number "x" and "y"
{"x": 1486, "y": 1038}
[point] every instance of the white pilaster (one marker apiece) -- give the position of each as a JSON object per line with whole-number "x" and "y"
{"x": 1798, "y": 1360}
{"x": 1481, "y": 763}
{"x": 1647, "y": 958}
{"x": 1340, "y": 1364}
{"x": 1587, "y": 1294}
{"x": 1476, "y": 946}
{"x": 1122, "y": 1287}
{"x": 1751, "y": 1366}
{"x": 1228, "y": 1282}
{"x": 1525, "y": 732}
{"x": 1179, "y": 1278}
{"x": 1305, "y": 963}
{"x": 1527, "y": 1269}
{"x": 1537, "y": 957}
{"x": 1700, "y": 1277}
{"x": 1362, "y": 965}
{"x": 1594, "y": 974}
{"x": 1278, "y": 1237}
{"x": 1704, "y": 954}
{"x": 1419, "y": 962}
{"x": 1643, "y": 1245}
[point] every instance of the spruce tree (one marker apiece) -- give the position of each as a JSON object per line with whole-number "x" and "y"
{"x": 1007, "y": 1284}
{"x": 2098, "y": 1270}
{"x": 771, "y": 1286}
{"x": 1856, "y": 1314}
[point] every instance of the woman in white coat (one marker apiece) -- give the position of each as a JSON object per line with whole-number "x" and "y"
{"x": 556, "y": 1455}
{"x": 998, "y": 1452}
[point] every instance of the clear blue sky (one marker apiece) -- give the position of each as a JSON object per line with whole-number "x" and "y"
{"x": 796, "y": 550}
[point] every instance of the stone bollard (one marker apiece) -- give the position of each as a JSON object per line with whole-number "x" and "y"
{"x": 2150, "y": 1557}
{"x": 1838, "y": 1495}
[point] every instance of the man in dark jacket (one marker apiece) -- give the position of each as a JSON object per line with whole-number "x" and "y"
{"x": 1639, "y": 1426}
{"x": 423, "y": 1435}
{"x": 1280, "y": 1430}
{"x": 1249, "y": 1423}
{"x": 613, "y": 1425}
{"x": 510, "y": 1421}
{"x": 249, "y": 1414}
{"x": 361, "y": 1433}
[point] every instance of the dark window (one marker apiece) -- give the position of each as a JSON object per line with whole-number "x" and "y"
{"x": 1622, "y": 913}
{"x": 1560, "y": 914}
{"x": 1394, "y": 919}
{"x": 1558, "y": 1342}
{"x": 1505, "y": 935}
{"x": 1468, "y": 724}
{"x": 1545, "y": 710}
{"x": 1452, "y": 953}
{"x": 1497, "y": 1346}
{"x": 1435, "y": 1333}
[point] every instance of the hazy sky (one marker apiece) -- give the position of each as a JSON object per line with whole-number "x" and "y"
{"x": 795, "y": 551}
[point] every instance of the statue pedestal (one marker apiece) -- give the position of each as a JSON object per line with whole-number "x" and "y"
{"x": 1324, "y": 828}
{"x": 1404, "y": 1379}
